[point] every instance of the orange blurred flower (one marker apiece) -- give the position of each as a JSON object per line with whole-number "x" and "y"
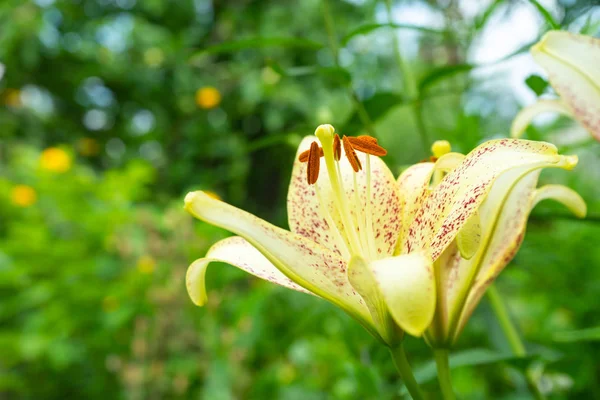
{"x": 55, "y": 160}
{"x": 88, "y": 147}
{"x": 23, "y": 196}
{"x": 208, "y": 97}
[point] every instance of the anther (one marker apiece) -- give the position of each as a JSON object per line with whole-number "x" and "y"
{"x": 314, "y": 162}
{"x": 351, "y": 154}
{"x": 303, "y": 157}
{"x": 367, "y": 145}
{"x": 337, "y": 148}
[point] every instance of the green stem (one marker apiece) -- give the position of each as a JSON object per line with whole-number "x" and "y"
{"x": 405, "y": 372}
{"x": 410, "y": 87}
{"x": 506, "y": 324}
{"x": 443, "y": 371}
{"x": 510, "y": 331}
{"x": 334, "y": 47}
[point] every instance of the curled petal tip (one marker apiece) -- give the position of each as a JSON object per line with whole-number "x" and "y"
{"x": 570, "y": 162}
{"x": 189, "y": 199}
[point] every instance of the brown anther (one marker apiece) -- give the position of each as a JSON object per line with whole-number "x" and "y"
{"x": 351, "y": 154}
{"x": 337, "y": 148}
{"x": 314, "y": 162}
{"x": 368, "y": 145}
{"x": 303, "y": 157}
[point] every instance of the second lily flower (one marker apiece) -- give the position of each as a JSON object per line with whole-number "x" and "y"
{"x": 363, "y": 241}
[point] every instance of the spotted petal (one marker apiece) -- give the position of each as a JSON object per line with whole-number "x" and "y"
{"x": 504, "y": 230}
{"x": 460, "y": 193}
{"x": 571, "y": 62}
{"x": 413, "y": 185}
{"x": 306, "y": 263}
{"x": 307, "y": 217}
{"x": 239, "y": 253}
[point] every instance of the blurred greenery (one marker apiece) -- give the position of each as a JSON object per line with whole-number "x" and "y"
{"x": 112, "y": 109}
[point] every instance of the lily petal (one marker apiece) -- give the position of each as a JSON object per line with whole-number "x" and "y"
{"x": 503, "y": 219}
{"x": 307, "y": 217}
{"x": 468, "y": 238}
{"x": 413, "y": 185}
{"x": 571, "y": 62}
{"x": 527, "y": 114}
{"x": 308, "y": 264}
{"x": 238, "y": 252}
{"x": 564, "y": 195}
{"x": 460, "y": 193}
{"x": 408, "y": 288}
{"x": 505, "y": 231}
{"x": 363, "y": 280}
{"x": 305, "y": 213}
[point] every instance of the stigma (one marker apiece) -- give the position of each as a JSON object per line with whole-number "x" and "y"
{"x": 351, "y": 212}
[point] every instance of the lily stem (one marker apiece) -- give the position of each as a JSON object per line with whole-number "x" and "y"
{"x": 334, "y": 47}
{"x": 405, "y": 372}
{"x": 509, "y": 329}
{"x": 443, "y": 372}
{"x": 511, "y": 334}
{"x": 410, "y": 88}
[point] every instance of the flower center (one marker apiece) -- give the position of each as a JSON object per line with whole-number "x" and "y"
{"x": 355, "y": 229}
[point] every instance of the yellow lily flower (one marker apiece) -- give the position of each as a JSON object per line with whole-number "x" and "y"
{"x": 571, "y": 62}
{"x": 491, "y": 236}
{"x": 357, "y": 238}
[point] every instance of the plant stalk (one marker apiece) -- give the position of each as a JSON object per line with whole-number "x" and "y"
{"x": 509, "y": 329}
{"x": 334, "y": 47}
{"x": 409, "y": 84}
{"x": 405, "y": 372}
{"x": 443, "y": 372}
{"x": 511, "y": 334}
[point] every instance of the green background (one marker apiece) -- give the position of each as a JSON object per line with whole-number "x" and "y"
{"x": 92, "y": 295}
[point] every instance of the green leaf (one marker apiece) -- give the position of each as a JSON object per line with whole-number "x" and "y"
{"x": 377, "y": 107}
{"x": 258, "y": 43}
{"x": 481, "y": 20}
{"x": 441, "y": 73}
{"x": 537, "y": 84}
{"x": 448, "y": 71}
{"x": 546, "y": 14}
{"x": 581, "y": 335}
{"x": 367, "y": 28}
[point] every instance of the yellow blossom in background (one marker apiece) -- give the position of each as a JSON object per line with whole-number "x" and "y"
{"x": 208, "y": 97}
{"x": 12, "y": 97}
{"x": 23, "y": 196}
{"x": 88, "y": 147}
{"x": 146, "y": 264}
{"x": 55, "y": 160}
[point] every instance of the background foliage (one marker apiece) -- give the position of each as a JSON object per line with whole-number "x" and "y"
{"x": 113, "y": 109}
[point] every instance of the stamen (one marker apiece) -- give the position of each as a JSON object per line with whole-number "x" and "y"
{"x": 351, "y": 154}
{"x": 314, "y": 162}
{"x": 367, "y": 145}
{"x": 303, "y": 157}
{"x": 337, "y": 148}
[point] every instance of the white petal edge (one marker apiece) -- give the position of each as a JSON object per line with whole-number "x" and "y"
{"x": 527, "y": 114}
{"x": 238, "y": 252}
{"x": 564, "y": 195}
